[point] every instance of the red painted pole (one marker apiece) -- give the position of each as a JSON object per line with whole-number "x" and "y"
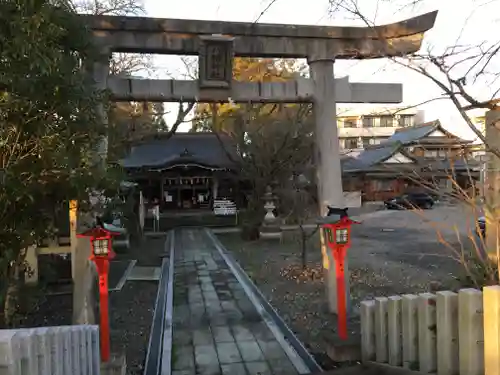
{"x": 341, "y": 295}
{"x": 104, "y": 310}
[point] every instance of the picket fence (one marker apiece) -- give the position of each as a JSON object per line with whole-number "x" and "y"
{"x": 445, "y": 333}
{"x": 50, "y": 351}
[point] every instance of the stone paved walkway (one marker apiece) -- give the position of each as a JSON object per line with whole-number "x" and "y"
{"x": 216, "y": 328}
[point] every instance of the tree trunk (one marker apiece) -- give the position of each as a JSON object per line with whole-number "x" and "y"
{"x": 303, "y": 244}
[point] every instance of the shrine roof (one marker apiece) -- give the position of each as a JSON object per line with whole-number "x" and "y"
{"x": 370, "y": 157}
{"x": 414, "y": 133}
{"x": 206, "y": 150}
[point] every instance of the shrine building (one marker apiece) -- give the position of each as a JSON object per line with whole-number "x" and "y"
{"x": 185, "y": 171}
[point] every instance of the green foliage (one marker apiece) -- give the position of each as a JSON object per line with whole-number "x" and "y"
{"x": 48, "y": 121}
{"x": 274, "y": 145}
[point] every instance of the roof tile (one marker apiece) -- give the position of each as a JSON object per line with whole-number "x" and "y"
{"x": 205, "y": 149}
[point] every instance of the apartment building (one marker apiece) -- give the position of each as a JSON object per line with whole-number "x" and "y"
{"x": 362, "y": 128}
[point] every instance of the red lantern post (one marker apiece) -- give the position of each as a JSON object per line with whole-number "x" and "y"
{"x": 102, "y": 253}
{"x": 338, "y": 237}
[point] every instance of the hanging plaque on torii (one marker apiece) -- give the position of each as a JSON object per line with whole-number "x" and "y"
{"x": 215, "y": 62}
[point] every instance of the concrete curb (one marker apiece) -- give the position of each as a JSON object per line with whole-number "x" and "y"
{"x": 153, "y": 364}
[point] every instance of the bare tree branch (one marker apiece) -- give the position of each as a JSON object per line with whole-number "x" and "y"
{"x": 110, "y": 7}
{"x": 445, "y": 67}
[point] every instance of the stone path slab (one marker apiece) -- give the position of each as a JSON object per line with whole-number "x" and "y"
{"x": 216, "y": 328}
{"x": 142, "y": 273}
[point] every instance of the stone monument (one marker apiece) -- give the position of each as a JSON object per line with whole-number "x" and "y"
{"x": 270, "y": 228}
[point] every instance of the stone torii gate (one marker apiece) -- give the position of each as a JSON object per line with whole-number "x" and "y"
{"x": 216, "y": 43}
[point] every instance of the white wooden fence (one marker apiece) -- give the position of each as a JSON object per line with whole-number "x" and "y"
{"x": 445, "y": 333}
{"x": 61, "y": 350}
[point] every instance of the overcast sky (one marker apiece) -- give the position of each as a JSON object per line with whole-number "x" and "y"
{"x": 465, "y": 21}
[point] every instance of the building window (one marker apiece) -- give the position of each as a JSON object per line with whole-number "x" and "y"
{"x": 386, "y": 121}
{"x": 406, "y": 121}
{"x": 368, "y": 141}
{"x": 383, "y": 185}
{"x": 379, "y": 140}
{"x": 351, "y": 143}
{"x": 431, "y": 154}
{"x": 369, "y": 121}
{"x": 350, "y": 123}
{"x": 443, "y": 153}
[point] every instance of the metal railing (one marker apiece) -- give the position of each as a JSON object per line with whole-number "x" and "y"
{"x": 153, "y": 363}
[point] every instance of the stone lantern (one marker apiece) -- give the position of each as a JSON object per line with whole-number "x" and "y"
{"x": 270, "y": 228}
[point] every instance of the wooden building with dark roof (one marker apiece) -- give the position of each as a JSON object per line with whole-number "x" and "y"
{"x": 186, "y": 170}
{"x": 425, "y": 154}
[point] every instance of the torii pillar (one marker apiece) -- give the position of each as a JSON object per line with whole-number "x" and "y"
{"x": 327, "y": 159}
{"x": 83, "y": 270}
{"x": 328, "y": 167}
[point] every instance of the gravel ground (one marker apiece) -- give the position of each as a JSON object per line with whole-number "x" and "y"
{"x": 131, "y": 309}
{"x": 382, "y": 262}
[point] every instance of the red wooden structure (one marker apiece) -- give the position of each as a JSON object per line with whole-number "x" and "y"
{"x": 338, "y": 238}
{"x": 102, "y": 253}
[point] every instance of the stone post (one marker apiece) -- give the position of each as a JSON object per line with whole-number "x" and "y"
{"x": 492, "y": 184}
{"x": 367, "y": 310}
{"x": 447, "y": 333}
{"x": 381, "y": 333}
{"x": 470, "y": 332}
{"x": 84, "y": 273}
{"x": 394, "y": 331}
{"x": 215, "y": 187}
{"x": 427, "y": 339}
{"x": 491, "y": 308}
{"x": 409, "y": 319}
{"x": 328, "y": 171}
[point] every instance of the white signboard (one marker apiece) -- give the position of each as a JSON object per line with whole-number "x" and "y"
{"x": 224, "y": 207}
{"x": 156, "y": 212}
{"x": 352, "y": 198}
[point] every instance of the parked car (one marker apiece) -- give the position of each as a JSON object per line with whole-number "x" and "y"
{"x": 408, "y": 201}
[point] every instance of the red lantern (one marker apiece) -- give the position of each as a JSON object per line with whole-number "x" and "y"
{"x": 338, "y": 237}
{"x": 102, "y": 253}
